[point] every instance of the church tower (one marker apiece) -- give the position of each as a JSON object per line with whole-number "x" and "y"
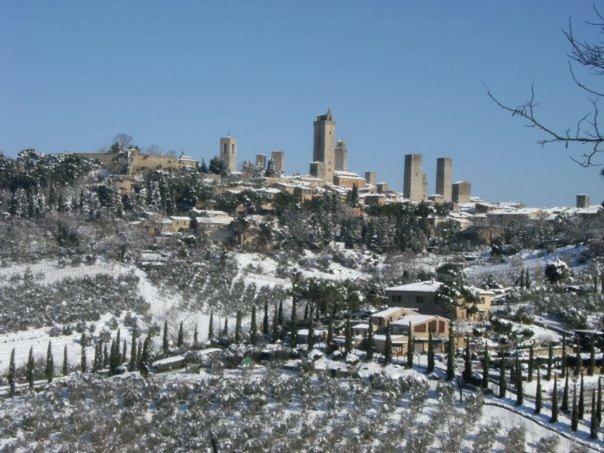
{"x": 325, "y": 144}
{"x": 228, "y": 153}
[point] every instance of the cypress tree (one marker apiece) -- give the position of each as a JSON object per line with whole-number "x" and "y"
{"x": 578, "y": 361}
{"x": 502, "y": 381}
{"x": 145, "y": 351}
{"x": 49, "y": 370}
{"x": 306, "y": 312}
{"x": 195, "y": 337}
{"x": 521, "y": 279}
{"x": 554, "y": 417}
{"x": 450, "y": 355}
{"x": 105, "y": 356}
{"x": 165, "y": 343}
{"x": 29, "y": 370}
{"x": 275, "y": 327}
{"x": 211, "y": 327}
{"x": 430, "y": 367}
{"x": 265, "y": 319}
{"x": 293, "y": 338}
{"x": 118, "y": 342}
{"x": 253, "y": 329}
{"x": 592, "y": 358}
{"x": 225, "y": 330}
{"x": 65, "y": 363}
{"x": 347, "y": 337}
{"x": 95, "y": 359}
{"x": 329, "y": 345}
{"x": 467, "y": 365}
{"x": 519, "y": 385}
{"x": 113, "y": 358}
{"x": 410, "y": 348}
{"x": 181, "y": 336}
{"x": 83, "y": 359}
{"x": 563, "y": 370}
{"x": 139, "y": 353}
{"x": 581, "y": 405}
{"x": 124, "y": 351}
{"x": 599, "y": 403}
{"x": 594, "y": 424}
{"x": 513, "y": 372}
{"x": 527, "y": 280}
{"x": 280, "y": 314}
{"x": 133, "y": 365}
{"x": 12, "y": 374}
{"x": 388, "y": 347}
{"x": 370, "y": 342}
{"x": 238, "y": 327}
{"x": 574, "y": 419}
{"x": 538, "y": 396}
{"x": 531, "y": 363}
{"x": 485, "y": 367}
{"x": 311, "y": 331}
{"x": 550, "y": 358}
{"x": 564, "y": 404}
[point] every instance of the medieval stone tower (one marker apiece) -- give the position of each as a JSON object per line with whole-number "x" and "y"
{"x": 341, "y": 156}
{"x": 444, "y": 178}
{"x": 325, "y": 144}
{"x": 228, "y": 153}
{"x": 413, "y": 186}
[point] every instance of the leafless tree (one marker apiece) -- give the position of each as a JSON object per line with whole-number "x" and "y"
{"x": 586, "y": 132}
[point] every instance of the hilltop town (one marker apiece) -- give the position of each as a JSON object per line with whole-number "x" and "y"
{"x": 315, "y": 311}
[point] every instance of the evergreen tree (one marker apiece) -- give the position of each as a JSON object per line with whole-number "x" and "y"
{"x": 554, "y": 417}
{"x": 124, "y": 352}
{"x": 513, "y": 372}
{"x": 30, "y": 368}
{"x": 139, "y": 353}
{"x": 238, "y": 328}
{"x": 105, "y": 356}
{"x": 12, "y": 374}
{"x": 538, "y": 396}
{"x": 329, "y": 341}
{"x": 563, "y": 369}
{"x": 594, "y": 424}
{"x": 203, "y": 168}
{"x": 114, "y": 358}
{"x": 574, "y": 418}
{"x": 65, "y": 363}
{"x": 165, "y": 343}
{"x": 180, "y": 341}
{"x": 467, "y": 363}
{"x": 388, "y": 347}
{"x": 49, "y": 370}
{"x": 347, "y": 338}
{"x": 527, "y": 280}
{"x": 502, "y": 381}
{"x": 410, "y": 348}
{"x": 293, "y": 339}
{"x": 370, "y": 341}
{"x": 592, "y": 357}
{"x": 133, "y": 364}
{"x": 581, "y": 405}
{"x": 531, "y": 363}
{"x": 83, "y": 359}
{"x": 450, "y": 355}
{"x": 275, "y": 326}
{"x": 305, "y": 312}
{"x": 196, "y": 337}
{"x": 578, "y": 361}
{"x": 550, "y": 358}
{"x": 145, "y": 354}
{"x": 353, "y": 198}
{"x": 485, "y": 367}
{"x": 265, "y": 319}
{"x": 521, "y": 284}
{"x": 430, "y": 367}
{"x": 519, "y": 384}
{"x": 564, "y": 404}
{"x": 253, "y": 328}
{"x": 599, "y": 403}
{"x": 311, "y": 331}
{"x": 211, "y": 327}
{"x": 118, "y": 342}
{"x": 225, "y": 329}
{"x": 280, "y": 314}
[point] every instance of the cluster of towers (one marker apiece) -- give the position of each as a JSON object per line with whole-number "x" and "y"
{"x": 415, "y": 185}
{"x": 228, "y": 155}
{"x": 278, "y": 158}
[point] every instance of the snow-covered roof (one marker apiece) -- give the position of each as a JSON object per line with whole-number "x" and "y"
{"x": 427, "y": 286}
{"x": 361, "y": 326}
{"x": 388, "y": 312}
{"x": 214, "y": 220}
{"x": 180, "y": 218}
{"x": 398, "y": 339}
{"x": 413, "y": 319}
{"x": 209, "y": 212}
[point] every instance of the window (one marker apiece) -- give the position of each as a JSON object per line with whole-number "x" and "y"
{"x": 224, "y": 148}
{"x": 441, "y": 326}
{"x": 432, "y": 326}
{"x": 419, "y": 299}
{"x": 420, "y": 328}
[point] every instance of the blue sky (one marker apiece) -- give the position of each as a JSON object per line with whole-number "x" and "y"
{"x": 400, "y": 77}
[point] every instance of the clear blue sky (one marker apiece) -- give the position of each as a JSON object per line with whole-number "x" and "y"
{"x": 400, "y": 77}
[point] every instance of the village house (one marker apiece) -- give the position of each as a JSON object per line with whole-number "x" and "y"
{"x": 382, "y": 319}
{"x": 174, "y": 224}
{"x": 399, "y": 344}
{"x": 421, "y": 327}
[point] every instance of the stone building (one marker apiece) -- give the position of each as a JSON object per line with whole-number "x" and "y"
{"x": 261, "y": 161}
{"x": 413, "y": 186}
{"x": 348, "y": 179}
{"x": 462, "y": 191}
{"x": 370, "y": 177}
{"x": 325, "y": 145}
{"x": 583, "y": 200}
{"x": 228, "y": 153}
{"x": 444, "y": 178}
{"x": 278, "y": 158}
{"x": 341, "y": 156}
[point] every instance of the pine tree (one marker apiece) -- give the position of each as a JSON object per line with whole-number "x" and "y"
{"x": 253, "y": 329}
{"x": 430, "y": 367}
{"x": 165, "y": 343}
{"x": 12, "y": 374}
{"x": 180, "y": 341}
{"x": 238, "y": 328}
{"x": 531, "y": 363}
{"x": 467, "y": 363}
{"x": 211, "y": 327}
{"x": 450, "y": 355}
{"x": 83, "y": 359}
{"x": 347, "y": 338}
{"x": 293, "y": 339}
{"x": 388, "y": 347}
{"x": 265, "y": 319}
{"x": 49, "y": 370}
{"x": 581, "y": 406}
{"x": 280, "y": 314}
{"x": 485, "y": 367}
{"x": 550, "y": 358}
{"x": 594, "y": 424}
{"x": 329, "y": 341}
{"x": 65, "y": 363}
{"x": 574, "y": 419}
{"x": 370, "y": 341}
{"x": 519, "y": 385}
{"x": 538, "y": 396}
{"x": 30, "y": 368}
{"x": 410, "y": 348}
{"x": 592, "y": 358}
{"x": 554, "y": 417}
{"x": 502, "y": 381}
{"x": 195, "y": 337}
{"x": 564, "y": 404}
{"x": 563, "y": 369}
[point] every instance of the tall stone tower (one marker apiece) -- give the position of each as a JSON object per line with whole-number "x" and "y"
{"x": 462, "y": 192}
{"x": 413, "y": 186}
{"x": 341, "y": 155}
{"x": 444, "y": 178}
{"x": 325, "y": 144}
{"x": 228, "y": 153}
{"x": 278, "y": 158}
